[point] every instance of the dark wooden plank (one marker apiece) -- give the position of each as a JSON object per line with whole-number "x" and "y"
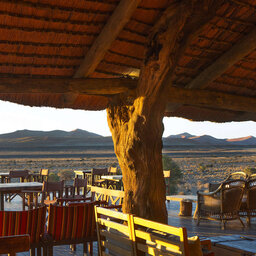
{"x": 14, "y": 244}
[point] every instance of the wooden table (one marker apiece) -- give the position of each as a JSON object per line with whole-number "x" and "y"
{"x": 17, "y": 187}
{"x": 82, "y": 173}
{"x": 185, "y": 203}
{"x": 32, "y": 175}
{"x": 234, "y": 245}
{"x": 113, "y": 181}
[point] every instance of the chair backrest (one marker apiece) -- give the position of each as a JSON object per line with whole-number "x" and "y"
{"x": 53, "y": 189}
{"x": 111, "y": 196}
{"x": 112, "y": 170}
{"x": 80, "y": 186}
{"x": 167, "y": 173}
{"x": 251, "y": 194}
{"x": 23, "y": 174}
{"x": 97, "y": 173}
{"x": 100, "y": 171}
{"x": 44, "y": 173}
{"x": 31, "y": 222}
{"x": 14, "y": 244}
{"x": 237, "y": 176}
{"x": 155, "y": 238}
{"x": 124, "y": 234}
{"x": 72, "y": 222}
{"x": 231, "y": 195}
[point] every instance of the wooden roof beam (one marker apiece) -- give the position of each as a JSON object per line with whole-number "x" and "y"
{"x": 93, "y": 86}
{"x": 109, "y": 33}
{"x": 227, "y": 60}
{"x": 97, "y": 86}
{"x": 203, "y": 98}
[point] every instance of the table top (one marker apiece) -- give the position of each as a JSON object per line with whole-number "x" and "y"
{"x": 112, "y": 177}
{"x": 238, "y": 243}
{"x": 18, "y": 186}
{"x": 81, "y": 172}
{"x": 30, "y": 173}
{"x": 192, "y": 198}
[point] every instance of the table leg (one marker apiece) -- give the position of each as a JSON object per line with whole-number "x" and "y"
{"x": 1, "y": 201}
{"x": 195, "y": 213}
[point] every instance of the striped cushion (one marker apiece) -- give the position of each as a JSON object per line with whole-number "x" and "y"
{"x": 72, "y": 222}
{"x": 30, "y": 222}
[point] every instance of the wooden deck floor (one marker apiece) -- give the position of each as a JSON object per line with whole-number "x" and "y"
{"x": 207, "y": 228}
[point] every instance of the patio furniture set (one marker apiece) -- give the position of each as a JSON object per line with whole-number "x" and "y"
{"x": 231, "y": 199}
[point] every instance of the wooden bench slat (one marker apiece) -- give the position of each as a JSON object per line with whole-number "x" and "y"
{"x": 110, "y": 224}
{"x": 116, "y": 237}
{"x": 116, "y": 249}
{"x": 173, "y": 245}
{"x": 14, "y": 244}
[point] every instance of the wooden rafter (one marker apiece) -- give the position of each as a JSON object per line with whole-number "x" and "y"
{"x": 212, "y": 99}
{"x": 227, "y": 60}
{"x": 90, "y": 86}
{"x": 95, "y": 86}
{"x": 109, "y": 33}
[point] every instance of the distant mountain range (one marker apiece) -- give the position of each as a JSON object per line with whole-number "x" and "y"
{"x": 187, "y": 139}
{"x": 79, "y": 138}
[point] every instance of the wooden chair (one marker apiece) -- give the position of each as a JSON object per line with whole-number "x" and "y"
{"x": 96, "y": 176}
{"x": 167, "y": 175}
{"x": 22, "y": 175}
{"x": 105, "y": 183}
{"x": 248, "y": 206}
{"x": 125, "y": 234}
{"x": 44, "y": 173}
{"x": 222, "y": 204}
{"x": 73, "y": 224}
{"x": 111, "y": 198}
{"x": 14, "y": 244}
{"x": 75, "y": 193}
{"x": 30, "y": 222}
{"x": 51, "y": 191}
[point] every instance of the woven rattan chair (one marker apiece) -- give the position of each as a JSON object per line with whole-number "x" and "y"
{"x": 248, "y": 206}
{"x": 222, "y": 204}
{"x": 232, "y": 176}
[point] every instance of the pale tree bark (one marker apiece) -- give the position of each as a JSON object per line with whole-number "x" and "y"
{"x": 137, "y": 126}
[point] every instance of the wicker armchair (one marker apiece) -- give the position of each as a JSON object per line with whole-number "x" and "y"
{"x": 232, "y": 176}
{"x": 222, "y": 204}
{"x": 248, "y": 206}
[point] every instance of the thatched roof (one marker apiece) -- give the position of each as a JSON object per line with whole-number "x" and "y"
{"x": 43, "y": 44}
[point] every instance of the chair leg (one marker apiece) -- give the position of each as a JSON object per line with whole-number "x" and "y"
{"x": 90, "y": 248}
{"x": 85, "y": 248}
{"x": 45, "y": 250}
{"x": 50, "y": 250}
{"x": 223, "y": 224}
{"x": 73, "y": 247}
{"x": 198, "y": 220}
{"x": 38, "y": 251}
{"x": 32, "y": 252}
{"x": 241, "y": 222}
{"x": 248, "y": 220}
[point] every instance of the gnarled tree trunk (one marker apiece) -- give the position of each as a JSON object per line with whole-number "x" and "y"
{"x": 137, "y": 126}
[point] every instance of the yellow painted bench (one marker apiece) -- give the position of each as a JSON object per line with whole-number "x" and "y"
{"x": 125, "y": 234}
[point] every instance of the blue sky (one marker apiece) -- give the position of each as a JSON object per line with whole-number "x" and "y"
{"x": 18, "y": 117}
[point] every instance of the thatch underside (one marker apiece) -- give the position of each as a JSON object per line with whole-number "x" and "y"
{"x": 51, "y": 38}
